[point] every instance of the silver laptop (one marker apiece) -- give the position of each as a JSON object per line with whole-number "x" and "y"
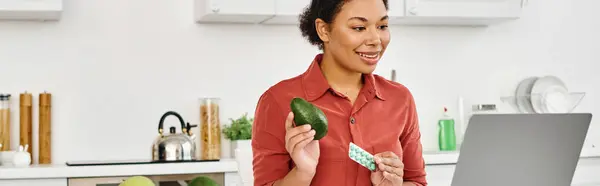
{"x": 521, "y": 149}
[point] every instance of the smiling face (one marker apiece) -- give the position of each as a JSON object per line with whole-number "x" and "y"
{"x": 358, "y": 35}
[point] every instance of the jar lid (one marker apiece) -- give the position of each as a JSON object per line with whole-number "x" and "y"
{"x": 4, "y": 97}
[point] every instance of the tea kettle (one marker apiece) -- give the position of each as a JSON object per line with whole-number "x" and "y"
{"x": 174, "y": 146}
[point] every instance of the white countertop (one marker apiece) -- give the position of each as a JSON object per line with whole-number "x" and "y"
{"x": 64, "y": 171}
{"x": 436, "y": 158}
{"x": 226, "y": 165}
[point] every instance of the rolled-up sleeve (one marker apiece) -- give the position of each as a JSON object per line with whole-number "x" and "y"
{"x": 271, "y": 161}
{"x": 414, "y": 164}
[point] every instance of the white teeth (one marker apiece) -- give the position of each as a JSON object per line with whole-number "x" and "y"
{"x": 368, "y": 56}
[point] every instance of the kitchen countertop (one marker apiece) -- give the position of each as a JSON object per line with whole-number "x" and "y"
{"x": 223, "y": 166}
{"x": 64, "y": 171}
{"x": 451, "y": 157}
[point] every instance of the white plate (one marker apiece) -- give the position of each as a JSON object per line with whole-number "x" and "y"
{"x": 522, "y": 95}
{"x": 556, "y": 100}
{"x": 548, "y": 87}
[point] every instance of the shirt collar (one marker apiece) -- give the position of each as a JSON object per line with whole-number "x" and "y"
{"x": 315, "y": 84}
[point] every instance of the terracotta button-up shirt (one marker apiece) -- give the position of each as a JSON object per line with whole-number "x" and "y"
{"x": 383, "y": 118}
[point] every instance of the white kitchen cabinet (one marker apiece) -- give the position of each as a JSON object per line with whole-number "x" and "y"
{"x": 460, "y": 12}
{"x": 401, "y": 12}
{"x": 158, "y": 179}
{"x": 586, "y": 173}
{"x": 233, "y": 11}
{"x": 395, "y": 10}
{"x": 31, "y": 10}
{"x": 29, "y": 182}
{"x": 287, "y": 11}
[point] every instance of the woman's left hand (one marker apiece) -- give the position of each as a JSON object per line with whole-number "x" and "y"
{"x": 390, "y": 170}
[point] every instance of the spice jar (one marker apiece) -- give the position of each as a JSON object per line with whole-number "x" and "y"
{"x": 5, "y": 122}
{"x": 210, "y": 129}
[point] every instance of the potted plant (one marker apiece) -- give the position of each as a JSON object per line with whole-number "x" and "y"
{"x": 239, "y": 132}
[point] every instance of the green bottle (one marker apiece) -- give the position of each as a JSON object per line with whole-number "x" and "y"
{"x": 447, "y": 136}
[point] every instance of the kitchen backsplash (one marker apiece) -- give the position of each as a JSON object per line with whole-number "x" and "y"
{"x": 114, "y": 68}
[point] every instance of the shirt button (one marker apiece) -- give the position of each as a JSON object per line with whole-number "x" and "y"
{"x": 352, "y": 120}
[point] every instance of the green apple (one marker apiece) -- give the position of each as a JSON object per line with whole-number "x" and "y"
{"x": 137, "y": 181}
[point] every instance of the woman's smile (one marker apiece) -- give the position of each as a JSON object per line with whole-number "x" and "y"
{"x": 370, "y": 58}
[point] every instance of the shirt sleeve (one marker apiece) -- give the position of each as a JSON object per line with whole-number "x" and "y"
{"x": 271, "y": 160}
{"x": 414, "y": 164}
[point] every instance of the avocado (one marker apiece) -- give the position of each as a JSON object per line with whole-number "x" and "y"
{"x": 203, "y": 181}
{"x": 307, "y": 113}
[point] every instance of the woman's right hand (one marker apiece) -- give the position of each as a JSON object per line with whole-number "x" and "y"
{"x": 301, "y": 146}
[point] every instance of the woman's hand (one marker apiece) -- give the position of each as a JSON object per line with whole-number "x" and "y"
{"x": 390, "y": 170}
{"x": 301, "y": 146}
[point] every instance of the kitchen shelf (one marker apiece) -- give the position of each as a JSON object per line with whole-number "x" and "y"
{"x": 64, "y": 171}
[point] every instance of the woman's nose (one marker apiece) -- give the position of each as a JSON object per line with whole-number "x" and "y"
{"x": 374, "y": 37}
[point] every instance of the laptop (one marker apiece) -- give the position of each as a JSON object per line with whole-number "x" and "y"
{"x": 521, "y": 149}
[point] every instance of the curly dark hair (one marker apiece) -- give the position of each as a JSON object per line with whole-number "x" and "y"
{"x": 325, "y": 10}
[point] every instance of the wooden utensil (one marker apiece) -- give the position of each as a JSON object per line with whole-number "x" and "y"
{"x": 25, "y": 120}
{"x": 45, "y": 129}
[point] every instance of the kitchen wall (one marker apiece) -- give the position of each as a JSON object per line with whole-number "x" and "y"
{"x": 114, "y": 67}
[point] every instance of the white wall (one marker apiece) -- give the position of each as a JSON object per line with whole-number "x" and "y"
{"x": 114, "y": 67}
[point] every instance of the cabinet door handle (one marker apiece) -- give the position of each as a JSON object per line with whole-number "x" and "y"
{"x": 411, "y": 6}
{"x": 523, "y": 3}
{"x": 413, "y": 11}
{"x": 215, "y": 6}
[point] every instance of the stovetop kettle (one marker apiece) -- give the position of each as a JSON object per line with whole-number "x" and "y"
{"x": 174, "y": 146}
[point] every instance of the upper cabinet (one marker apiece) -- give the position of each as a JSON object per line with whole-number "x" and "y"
{"x": 31, "y": 10}
{"x": 396, "y": 10}
{"x": 401, "y": 12}
{"x": 287, "y": 11}
{"x": 460, "y": 12}
{"x": 233, "y": 11}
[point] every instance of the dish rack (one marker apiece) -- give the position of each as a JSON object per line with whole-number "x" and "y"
{"x": 546, "y": 94}
{"x": 546, "y": 104}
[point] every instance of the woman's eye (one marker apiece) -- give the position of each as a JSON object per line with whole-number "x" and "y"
{"x": 359, "y": 28}
{"x": 383, "y": 27}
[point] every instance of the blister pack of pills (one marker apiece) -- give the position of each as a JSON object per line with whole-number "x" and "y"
{"x": 361, "y": 156}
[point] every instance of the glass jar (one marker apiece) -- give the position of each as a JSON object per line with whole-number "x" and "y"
{"x": 210, "y": 129}
{"x": 5, "y": 122}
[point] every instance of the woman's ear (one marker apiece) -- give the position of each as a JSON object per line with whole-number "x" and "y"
{"x": 322, "y": 30}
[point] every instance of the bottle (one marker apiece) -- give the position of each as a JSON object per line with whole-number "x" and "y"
{"x": 447, "y": 136}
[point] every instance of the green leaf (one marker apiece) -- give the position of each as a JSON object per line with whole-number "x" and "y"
{"x": 239, "y": 129}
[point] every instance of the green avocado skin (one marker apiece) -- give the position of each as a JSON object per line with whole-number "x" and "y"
{"x": 203, "y": 181}
{"x": 307, "y": 113}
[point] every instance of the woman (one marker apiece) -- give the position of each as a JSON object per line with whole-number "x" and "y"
{"x": 376, "y": 114}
